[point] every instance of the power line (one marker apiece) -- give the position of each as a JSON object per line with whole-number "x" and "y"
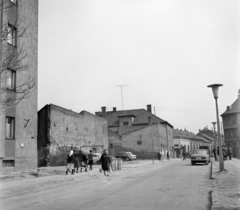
{"x": 200, "y": 111}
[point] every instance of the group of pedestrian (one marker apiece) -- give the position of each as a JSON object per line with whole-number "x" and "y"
{"x": 226, "y": 152}
{"x": 160, "y": 156}
{"x": 78, "y": 159}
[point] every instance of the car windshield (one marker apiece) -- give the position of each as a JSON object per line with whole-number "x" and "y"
{"x": 200, "y": 152}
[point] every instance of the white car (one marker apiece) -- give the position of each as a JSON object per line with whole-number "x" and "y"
{"x": 134, "y": 157}
{"x": 96, "y": 158}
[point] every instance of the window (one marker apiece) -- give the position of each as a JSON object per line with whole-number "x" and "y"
{"x": 11, "y": 79}
{"x": 111, "y": 146}
{"x": 125, "y": 123}
{"x": 12, "y": 34}
{"x": 8, "y": 163}
{"x": 10, "y": 131}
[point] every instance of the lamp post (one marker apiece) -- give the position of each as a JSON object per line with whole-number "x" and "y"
{"x": 215, "y": 88}
{"x": 215, "y": 140}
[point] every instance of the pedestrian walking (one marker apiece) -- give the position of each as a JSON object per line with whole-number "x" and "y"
{"x": 70, "y": 162}
{"x": 224, "y": 151}
{"x": 159, "y": 156}
{"x": 90, "y": 159}
{"x": 168, "y": 155}
{"x": 215, "y": 154}
{"x": 230, "y": 153}
{"x": 76, "y": 160}
{"x": 184, "y": 156}
{"x": 83, "y": 161}
{"x": 105, "y": 163}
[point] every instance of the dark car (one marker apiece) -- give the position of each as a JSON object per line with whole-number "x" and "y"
{"x": 200, "y": 156}
{"x": 124, "y": 156}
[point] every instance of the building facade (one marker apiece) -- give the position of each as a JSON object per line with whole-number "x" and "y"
{"x": 138, "y": 131}
{"x": 231, "y": 126}
{"x": 19, "y": 45}
{"x": 60, "y": 129}
{"x": 185, "y": 141}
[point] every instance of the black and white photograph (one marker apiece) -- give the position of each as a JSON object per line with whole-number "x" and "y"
{"x": 120, "y": 104}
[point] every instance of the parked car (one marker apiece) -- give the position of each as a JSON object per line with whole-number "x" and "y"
{"x": 134, "y": 157}
{"x": 96, "y": 158}
{"x": 200, "y": 156}
{"x": 124, "y": 156}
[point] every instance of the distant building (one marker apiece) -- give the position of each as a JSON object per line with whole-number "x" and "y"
{"x": 18, "y": 141}
{"x": 60, "y": 129}
{"x": 231, "y": 126}
{"x": 210, "y": 135}
{"x": 185, "y": 141}
{"x": 138, "y": 131}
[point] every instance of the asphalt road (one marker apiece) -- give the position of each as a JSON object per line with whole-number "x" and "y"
{"x": 168, "y": 186}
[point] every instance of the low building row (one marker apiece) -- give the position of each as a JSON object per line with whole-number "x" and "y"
{"x": 138, "y": 131}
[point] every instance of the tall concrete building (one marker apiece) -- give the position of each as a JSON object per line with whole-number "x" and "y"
{"x": 231, "y": 126}
{"x": 18, "y": 126}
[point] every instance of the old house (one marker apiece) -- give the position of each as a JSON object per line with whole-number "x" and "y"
{"x": 138, "y": 131}
{"x": 210, "y": 135}
{"x": 231, "y": 126}
{"x": 19, "y": 54}
{"x": 185, "y": 141}
{"x": 59, "y": 129}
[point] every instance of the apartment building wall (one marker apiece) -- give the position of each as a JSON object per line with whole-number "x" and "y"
{"x": 20, "y": 152}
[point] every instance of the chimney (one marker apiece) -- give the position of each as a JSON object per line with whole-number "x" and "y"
{"x": 149, "y": 108}
{"x": 149, "y": 120}
{"x": 114, "y": 109}
{"x": 103, "y": 111}
{"x": 239, "y": 93}
{"x": 228, "y": 108}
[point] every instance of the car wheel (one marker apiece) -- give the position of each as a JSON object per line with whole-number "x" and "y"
{"x": 192, "y": 163}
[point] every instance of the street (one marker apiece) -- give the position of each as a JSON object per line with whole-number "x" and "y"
{"x": 174, "y": 184}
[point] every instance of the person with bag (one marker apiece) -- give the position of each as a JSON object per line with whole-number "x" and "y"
{"x": 105, "y": 163}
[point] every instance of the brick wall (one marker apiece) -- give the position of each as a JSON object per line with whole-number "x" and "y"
{"x": 69, "y": 129}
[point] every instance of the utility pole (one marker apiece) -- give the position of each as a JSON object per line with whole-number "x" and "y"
{"x": 121, "y": 86}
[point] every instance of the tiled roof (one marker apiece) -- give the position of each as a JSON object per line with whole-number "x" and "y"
{"x": 140, "y": 116}
{"x": 234, "y": 108}
{"x": 185, "y": 135}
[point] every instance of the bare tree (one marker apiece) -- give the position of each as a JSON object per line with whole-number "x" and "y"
{"x": 14, "y": 59}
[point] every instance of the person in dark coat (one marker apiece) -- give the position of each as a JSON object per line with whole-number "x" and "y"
{"x": 90, "y": 160}
{"x": 184, "y": 155}
{"x": 76, "y": 160}
{"x": 159, "y": 156}
{"x": 168, "y": 155}
{"x": 83, "y": 161}
{"x": 230, "y": 153}
{"x": 105, "y": 163}
{"x": 215, "y": 154}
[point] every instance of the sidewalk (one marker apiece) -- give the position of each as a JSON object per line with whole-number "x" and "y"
{"x": 226, "y": 185}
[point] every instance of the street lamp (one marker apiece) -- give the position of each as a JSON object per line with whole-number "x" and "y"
{"x": 215, "y": 141}
{"x": 215, "y": 94}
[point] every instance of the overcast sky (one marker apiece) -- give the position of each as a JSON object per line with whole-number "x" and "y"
{"x": 167, "y": 52}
